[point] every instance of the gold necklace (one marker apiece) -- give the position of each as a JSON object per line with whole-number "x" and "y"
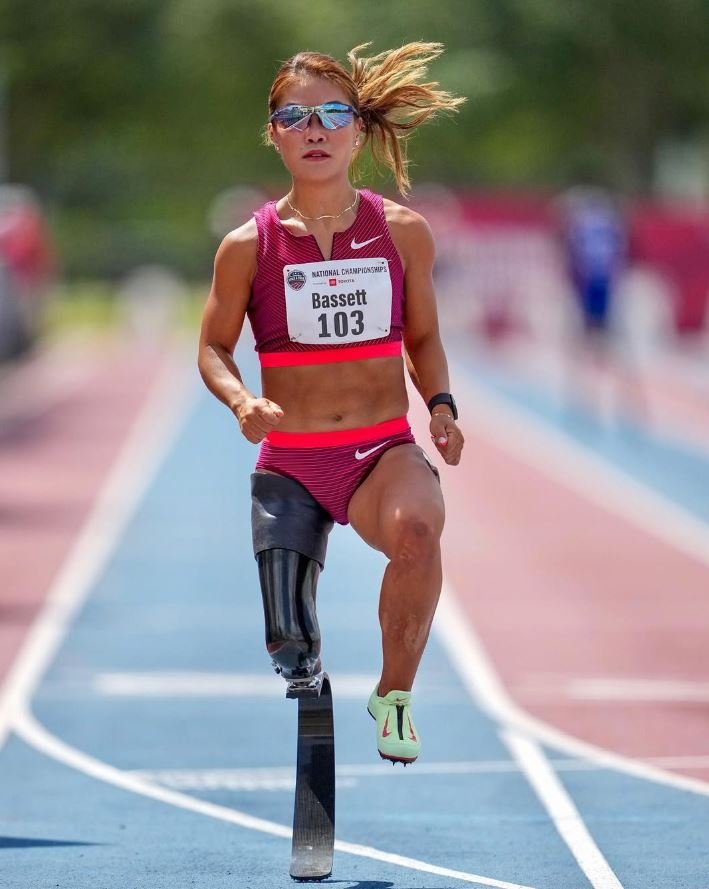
{"x": 325, "y": 215}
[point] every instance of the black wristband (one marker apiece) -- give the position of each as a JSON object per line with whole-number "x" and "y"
{"x": 443, "y": 398}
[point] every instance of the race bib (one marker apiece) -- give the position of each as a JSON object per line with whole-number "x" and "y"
{"x": 341, "y": 301}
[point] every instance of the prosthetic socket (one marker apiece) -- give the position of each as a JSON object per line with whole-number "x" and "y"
{"x": 290, "y": 531}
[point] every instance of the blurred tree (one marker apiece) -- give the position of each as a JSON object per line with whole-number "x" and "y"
{"x": 608, "y": 80}
{"x": 130, "y": 115}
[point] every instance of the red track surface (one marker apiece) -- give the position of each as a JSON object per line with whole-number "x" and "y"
{"x": 57, "y": 443}
{"x": 560, "y": 589}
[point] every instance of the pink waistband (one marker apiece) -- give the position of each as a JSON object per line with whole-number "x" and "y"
{"x": 337, "y": 436}
{"x": 329, "y": 356}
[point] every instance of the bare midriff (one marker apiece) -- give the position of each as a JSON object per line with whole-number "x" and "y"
{"x": 341, "y": 395}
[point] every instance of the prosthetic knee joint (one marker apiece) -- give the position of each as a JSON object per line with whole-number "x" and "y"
{"x": 290, "y": 531}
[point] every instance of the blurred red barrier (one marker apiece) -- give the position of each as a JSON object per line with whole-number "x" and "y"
{"x": 672, "y": 240}
{"x": 676, "y": 242}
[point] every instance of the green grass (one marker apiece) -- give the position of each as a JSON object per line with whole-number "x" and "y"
{"x": 94, "y": 307}
{"x": 80, "y": 307}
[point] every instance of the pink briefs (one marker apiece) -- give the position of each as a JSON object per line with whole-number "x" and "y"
{"x": 332, "y": 465}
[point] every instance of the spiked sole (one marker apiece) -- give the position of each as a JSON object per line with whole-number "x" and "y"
{"x": 404, "y": 760}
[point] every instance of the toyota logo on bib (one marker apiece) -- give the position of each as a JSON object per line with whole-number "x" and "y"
{"x": 296, "y": 279}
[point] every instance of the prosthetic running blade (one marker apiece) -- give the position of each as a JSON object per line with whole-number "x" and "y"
{"x": 314, "y": 810}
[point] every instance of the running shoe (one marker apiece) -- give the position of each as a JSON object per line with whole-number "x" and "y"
{"x": 397, "y": 737}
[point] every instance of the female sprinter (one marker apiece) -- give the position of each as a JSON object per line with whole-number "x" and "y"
{"x": 332, "y": 280}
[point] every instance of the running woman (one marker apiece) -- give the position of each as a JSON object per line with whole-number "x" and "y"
{"x": 337, "y": 286}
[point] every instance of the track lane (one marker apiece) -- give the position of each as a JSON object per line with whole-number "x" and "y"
{"x": 201, "y": 609}
{"x": 64, "y": 417}
{"x": 144, "y": 615}
{"x": 566, "y": 591}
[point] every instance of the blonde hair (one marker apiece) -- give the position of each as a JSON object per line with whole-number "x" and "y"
{"x": 388, "y": 91}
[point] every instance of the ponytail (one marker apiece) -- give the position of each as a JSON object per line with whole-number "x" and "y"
{"x": 394, "y": 99}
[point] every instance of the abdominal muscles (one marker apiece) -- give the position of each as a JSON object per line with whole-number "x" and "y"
{"x": 341, "y": 395}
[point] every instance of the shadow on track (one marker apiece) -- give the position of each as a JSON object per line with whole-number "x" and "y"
{"x": 367, "y": 884}
{"x": 29, "y": 843}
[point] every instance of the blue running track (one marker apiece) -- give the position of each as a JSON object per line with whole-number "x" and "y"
{"x": 162, "y": 677}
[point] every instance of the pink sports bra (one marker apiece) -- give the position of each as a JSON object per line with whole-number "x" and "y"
{"x": 308, "y": 310}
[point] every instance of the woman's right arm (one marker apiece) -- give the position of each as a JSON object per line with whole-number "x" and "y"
{"x": 222, "y": 321}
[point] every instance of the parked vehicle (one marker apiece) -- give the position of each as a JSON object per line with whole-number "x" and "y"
{"x": 26, "y": 269}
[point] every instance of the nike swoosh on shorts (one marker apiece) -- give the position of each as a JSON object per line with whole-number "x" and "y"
{"x": 360, "y": 455}
{"x": 355, "y": 246}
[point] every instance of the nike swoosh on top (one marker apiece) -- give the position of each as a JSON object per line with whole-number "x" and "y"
{"x": 355, "y": 246}
{"x": 360, "y": 455}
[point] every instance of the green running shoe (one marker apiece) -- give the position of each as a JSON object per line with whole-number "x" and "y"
{"x": 397, "y": 738}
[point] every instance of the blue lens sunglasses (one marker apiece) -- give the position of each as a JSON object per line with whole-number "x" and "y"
{"x": 332, "y": 115}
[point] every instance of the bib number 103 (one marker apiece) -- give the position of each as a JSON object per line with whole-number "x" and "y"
{"x": 341, "y": 324}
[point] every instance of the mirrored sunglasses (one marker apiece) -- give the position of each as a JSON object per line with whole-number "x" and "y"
{"x": 332, "y": 115}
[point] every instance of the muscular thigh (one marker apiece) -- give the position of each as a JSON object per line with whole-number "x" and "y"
{"x": 401, "y": 487}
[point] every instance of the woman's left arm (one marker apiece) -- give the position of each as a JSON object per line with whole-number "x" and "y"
{"x": 426, "y": 356}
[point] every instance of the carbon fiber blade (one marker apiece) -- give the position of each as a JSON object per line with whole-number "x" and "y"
{"x": 314, "y": 810}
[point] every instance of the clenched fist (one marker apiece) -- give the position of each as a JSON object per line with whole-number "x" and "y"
{"x": 447, "y": 437}
{"x": 257, "y": 417}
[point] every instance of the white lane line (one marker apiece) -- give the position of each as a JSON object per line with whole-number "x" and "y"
{"x": 137, "y": 463}
{"x": 283, "y": 777}
{"x": 135, "y": 466}
{"x": 413, "y": 864}
{"x": 168, "y": 684}
{"x": 479, "y": 677}
{"x": 242, "y": 780}
{"x": 27, "y": 727}
{"x": 38, "y": 737}
{"x": 548, "y": 452}
{"x": 611, "y": 689}
{"x": 574, "y": 465}
{"x": 561, "y": 809}
{"x": 477, "y": 672}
